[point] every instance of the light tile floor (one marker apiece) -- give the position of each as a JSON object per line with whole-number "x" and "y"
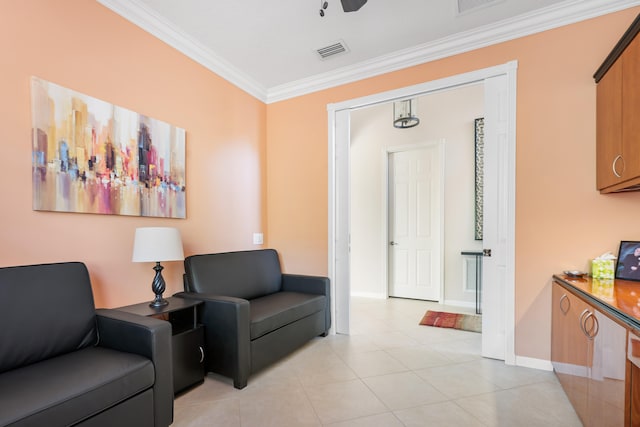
{"x": 389, "y": 372}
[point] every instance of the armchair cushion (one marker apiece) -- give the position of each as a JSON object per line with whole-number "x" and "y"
{"x": 67, "y": 389}
{"x": 274, "y": 311}
{"x": 149, "y": 338}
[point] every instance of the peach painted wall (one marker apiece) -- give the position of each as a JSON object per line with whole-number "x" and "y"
{"x": 84, "y": 46}
{"x": 561, "y": 220}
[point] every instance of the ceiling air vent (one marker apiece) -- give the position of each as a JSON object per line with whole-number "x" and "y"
{"x": 333, "y": 49}
{"x": 467, "y": 5}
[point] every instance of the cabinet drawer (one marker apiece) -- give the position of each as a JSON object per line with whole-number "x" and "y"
{"x": 188, "y": 358}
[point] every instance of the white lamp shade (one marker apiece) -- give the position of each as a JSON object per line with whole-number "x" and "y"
{"x": 155, "y": 244}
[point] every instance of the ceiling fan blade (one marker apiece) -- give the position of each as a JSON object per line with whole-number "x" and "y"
{"x": 352, "y": 5}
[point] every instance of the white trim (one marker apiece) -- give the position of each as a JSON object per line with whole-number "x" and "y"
{"x": 445, "y": 83}
{"x": 384, "y": 224}
{"x": 558, "y": 15}
{"x": 339, "y": 206}
{"x": 530, "y": 362}
{"x": 510, "y": 291}
{"x": 457, "y": 303}
{"x": 331, "y": 218}
{"x": 509, "y": 69}
{"x": 374, "y": 295}
{"x": 544, "y": 19}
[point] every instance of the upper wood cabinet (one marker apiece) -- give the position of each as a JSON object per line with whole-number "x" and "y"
{"x": 617, "y": 106}
{"x": 610, "y": 160}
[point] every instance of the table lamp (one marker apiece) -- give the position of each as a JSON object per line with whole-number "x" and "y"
{"x": 156, "y": 244}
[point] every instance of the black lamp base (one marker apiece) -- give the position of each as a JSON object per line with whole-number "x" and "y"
{"x": 158, "y": 302}
{"x": 158, "y": 286}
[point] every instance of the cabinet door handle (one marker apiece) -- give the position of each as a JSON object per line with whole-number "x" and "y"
{"x": 588, "y": 331}
{"x": 581, "y": 321}
{"x": 615, "y": 162}
{"x": 564, "y": 297}
{"x": 595, "y": 327}
{"x": 201, "y": 354}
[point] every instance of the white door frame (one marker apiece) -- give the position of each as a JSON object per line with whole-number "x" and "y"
{"x": 338, "y": 182}
{"x": 385, "y": 203}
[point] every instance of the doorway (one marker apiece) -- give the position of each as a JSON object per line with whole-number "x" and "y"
{"x": 447, "y": 117}
{"x": 500, "y": 87}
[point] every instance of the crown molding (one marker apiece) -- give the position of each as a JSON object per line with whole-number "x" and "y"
{"x": 544, "y": 19}
{"x": 147, "y": 19}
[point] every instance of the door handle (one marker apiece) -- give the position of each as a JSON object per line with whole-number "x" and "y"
{"x": 581, "y": 321}
{"x": 393, "y": 243}
{"x": 615, "y": 163}
{"x": 595, "y": 326}
{"x": 563, "y": 298}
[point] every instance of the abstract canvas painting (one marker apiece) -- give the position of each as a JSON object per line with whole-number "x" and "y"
{"x": 91, "y": 156}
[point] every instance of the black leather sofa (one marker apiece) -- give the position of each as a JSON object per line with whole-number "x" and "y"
{"x": 253, "y": 314}
{"x": 64, "y": 363}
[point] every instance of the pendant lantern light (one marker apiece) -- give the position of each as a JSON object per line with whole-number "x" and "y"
{"x": 404, "y": 113}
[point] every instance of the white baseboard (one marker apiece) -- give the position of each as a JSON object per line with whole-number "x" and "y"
{"x": 530, "y": 362}
{"x": 369, "y": 295}
{"x": 455, "y": 303}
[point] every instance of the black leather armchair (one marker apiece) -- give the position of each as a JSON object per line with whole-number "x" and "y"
{"x": 252, "y": 313}
{"x": 62, "y": 362}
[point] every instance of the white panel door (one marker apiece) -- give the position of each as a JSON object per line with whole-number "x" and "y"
{"x": 341, "y": 266}
{"x": 415, "y": 242}
{"x": 495, "y": 225}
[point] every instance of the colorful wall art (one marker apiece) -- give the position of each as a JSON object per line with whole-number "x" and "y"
{"x": 90, "y": 156}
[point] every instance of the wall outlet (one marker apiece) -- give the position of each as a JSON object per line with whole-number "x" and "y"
{"x": 258, "y": 239}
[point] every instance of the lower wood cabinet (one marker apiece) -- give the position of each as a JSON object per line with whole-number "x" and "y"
{"x": 633, "y": 376}
{"x": 570, "y": 347}
{"x": 588, "y": 353}
{"x": 607, "y": 371}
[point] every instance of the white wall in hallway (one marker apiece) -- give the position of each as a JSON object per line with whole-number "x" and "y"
{"x": 445, "y": 115}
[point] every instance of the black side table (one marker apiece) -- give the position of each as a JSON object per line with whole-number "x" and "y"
{"x": 187, "y": 338}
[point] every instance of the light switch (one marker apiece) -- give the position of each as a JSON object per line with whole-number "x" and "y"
{"x": 258, "y": 239}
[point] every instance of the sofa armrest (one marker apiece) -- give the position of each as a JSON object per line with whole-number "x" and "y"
{"x": 310, "y": 285}
{"x": 306, "y": 284}
{"x": 147, "y": 337}
{"x": 227, "y": 335}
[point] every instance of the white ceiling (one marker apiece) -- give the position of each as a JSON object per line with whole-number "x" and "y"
{"x": 268, "y": 48}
